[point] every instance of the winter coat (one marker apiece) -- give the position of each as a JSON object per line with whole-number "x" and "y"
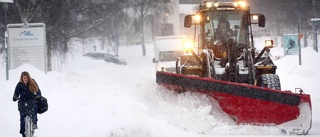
{"x": 24, "y": 94}
{"x": 222, "y": 37}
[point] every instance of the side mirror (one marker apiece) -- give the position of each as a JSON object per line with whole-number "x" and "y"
{"x": 262, "y": 20}
{"x": 188, "y": 21}
{"x": 259, "y": 19}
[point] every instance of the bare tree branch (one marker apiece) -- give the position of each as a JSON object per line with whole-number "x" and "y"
{"x": 95, "y": 23}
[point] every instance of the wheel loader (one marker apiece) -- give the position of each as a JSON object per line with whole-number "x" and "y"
{"x": 225, "y": 64}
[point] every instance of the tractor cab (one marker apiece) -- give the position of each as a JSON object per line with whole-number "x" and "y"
{"x": 220, "y": 22}
{"x": 223, "y": 31}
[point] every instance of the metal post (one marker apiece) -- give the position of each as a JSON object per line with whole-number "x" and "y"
{"x": 299, "y": 43}
{"x": 316, "y": 35}
{"x": 315, "y": 21}
{"x": 5, "y": 7}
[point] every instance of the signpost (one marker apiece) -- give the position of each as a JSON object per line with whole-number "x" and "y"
{"x": 315, "y": 22}
{"x": 27, "y": 44}
{"x": 5, "y": 6}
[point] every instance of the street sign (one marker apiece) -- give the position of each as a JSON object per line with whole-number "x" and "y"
{"x": 291, "y": 46}
{"x": 27, "y": 45}
{"x": 6, "y": 1}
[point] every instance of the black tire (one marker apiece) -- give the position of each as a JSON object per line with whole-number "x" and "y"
{"x": 29, "y": 128}
{"x": 269, "y": 81}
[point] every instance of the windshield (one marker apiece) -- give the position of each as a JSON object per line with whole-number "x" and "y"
{"x": 170, "y": 55}
{"x": 235, "y": 21}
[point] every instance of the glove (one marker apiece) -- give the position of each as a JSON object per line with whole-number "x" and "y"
{"x": 15, "y": 98}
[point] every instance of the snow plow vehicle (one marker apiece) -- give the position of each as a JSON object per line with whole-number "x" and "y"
{"x": 225, "y": 66}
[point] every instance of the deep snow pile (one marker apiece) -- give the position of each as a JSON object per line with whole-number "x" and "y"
{"x": 92, "y": 98}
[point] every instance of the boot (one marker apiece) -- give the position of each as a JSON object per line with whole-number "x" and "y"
{"x": 35, "y": 126}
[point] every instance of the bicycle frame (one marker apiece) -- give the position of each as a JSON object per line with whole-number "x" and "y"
{"x": 29, "y": 126}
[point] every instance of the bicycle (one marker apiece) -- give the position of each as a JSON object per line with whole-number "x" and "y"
{"x": 29, "y": 123}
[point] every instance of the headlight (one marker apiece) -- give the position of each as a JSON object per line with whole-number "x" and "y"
{"x": 197, "y": 18}
{"x": 240, "y": 3}
{"x": 255, "y": 17}
{"x": 269, "y": 43}
{"x": 209, "y": 4}
{"x": 187, "y": 46}
{"x": 216, "y": 4}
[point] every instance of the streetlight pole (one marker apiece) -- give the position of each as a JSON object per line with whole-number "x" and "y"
{"x": 5, "y": 6}
{"x": 299, "y": 43}
{"x": 316, "y": 35}
{"x": 315, "y": 21}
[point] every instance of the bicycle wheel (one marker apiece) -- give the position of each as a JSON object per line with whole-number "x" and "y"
{"x": 28, "y": 126}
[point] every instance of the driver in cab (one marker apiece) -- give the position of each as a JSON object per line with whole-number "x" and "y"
{"x": 220, "y": 39}
{"x": 222, "y": 33}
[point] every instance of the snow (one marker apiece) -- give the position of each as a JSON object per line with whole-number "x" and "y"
{"x": 188, "y": 8}
{"x": 92, "y": 98}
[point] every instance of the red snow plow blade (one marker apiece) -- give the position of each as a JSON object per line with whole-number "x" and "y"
{"x": 248, "y": 104}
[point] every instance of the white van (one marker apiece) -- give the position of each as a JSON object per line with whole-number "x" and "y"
{"x": 167, "y": 50}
